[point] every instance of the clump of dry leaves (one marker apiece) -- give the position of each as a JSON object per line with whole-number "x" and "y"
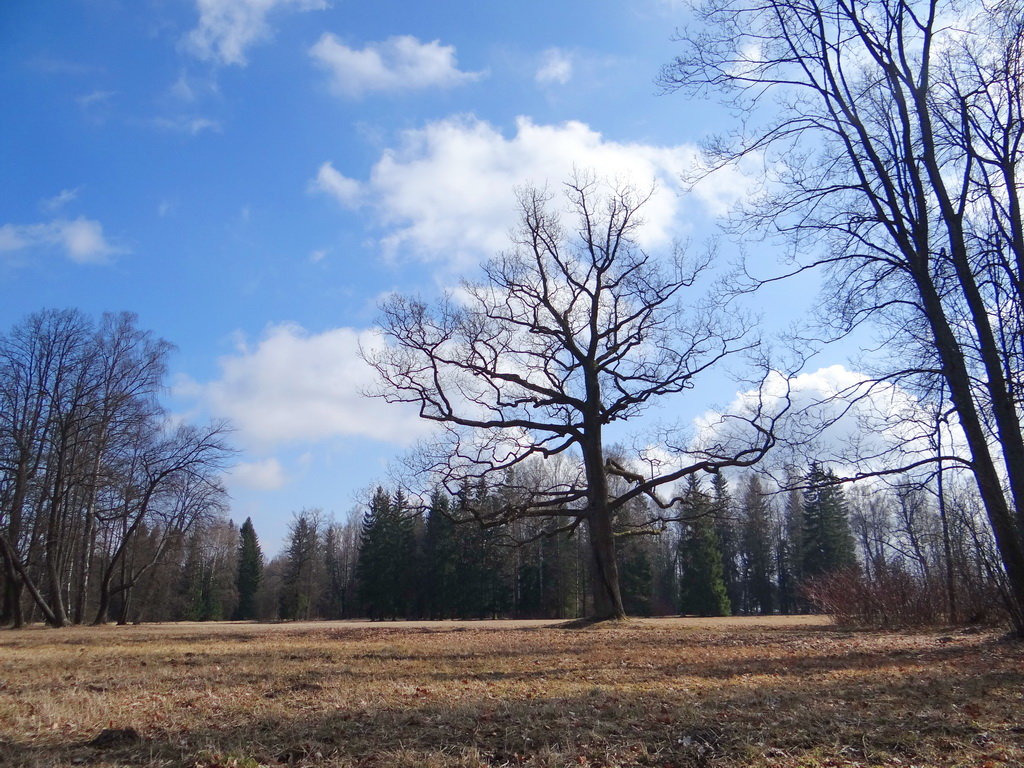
{"x": 672, "y": 692}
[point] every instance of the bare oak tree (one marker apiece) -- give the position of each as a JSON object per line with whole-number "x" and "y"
{"x": 893, "y": 135}
{"x": 571, "y": 331}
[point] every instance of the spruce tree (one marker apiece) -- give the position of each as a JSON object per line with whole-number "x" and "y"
{"x": 387, "y": 565}
{"x": 703, "y": 590}
{"x": 637, "y": 576}
{"x": 484, "y": 570}
{"x": 250, "y": 571}
{"x": 373, "y": 555}
{"x": 300, "y": 581}
{"x": 403, "y": 566}
{"x": 791, "y": 551}
{"x": 334, "y": 598}
{"x": 440, "y": 556}
{"x": 828, "y": 543}
{"x": 635, "y": 554}
{"x": 757, "y": 548}
{"x": 727, "y": 531}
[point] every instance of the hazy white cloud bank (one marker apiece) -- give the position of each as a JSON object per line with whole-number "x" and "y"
{"x": 834, "y": 415}
{"x": 228, "y": 28}
{"x": 446, "y": 191}
{"x": 400, "y": 63}
{"x": 81, "y": 240}
{"x": 263, "y": 475}
{"x": 293, "y": 386}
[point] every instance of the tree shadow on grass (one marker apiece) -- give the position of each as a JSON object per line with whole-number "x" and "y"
{"x": 935, "y": 713}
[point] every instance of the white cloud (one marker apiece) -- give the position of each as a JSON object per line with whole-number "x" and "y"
{"x": 294, "y": 386}
{"x": 265, "y": 475}
{"x": 81, "y": 239}
{"x": 13, "y": 238}
{"x": 400, "y": 63}
{"x": 94, "y": 98}
{"x": 59, "y": 200}
{"x": 446, "y": 192}
{"x": 190, "y": 125}
{"x": 343, "y": 189}
{"x": 837, "y": 416}
{"x": 227, "y": 28}
{"x": 182, "y": 90}
{"x": 555, "y": 67}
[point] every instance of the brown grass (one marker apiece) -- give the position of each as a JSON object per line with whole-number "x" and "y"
{"x": 775, "y": 692}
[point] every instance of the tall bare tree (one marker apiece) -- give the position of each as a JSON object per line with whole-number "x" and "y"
{"x": 80, "y": 428}
{"x": 571, "y": 331}
{"x": 170, "y": 484}
{"x": 893, "y": 133}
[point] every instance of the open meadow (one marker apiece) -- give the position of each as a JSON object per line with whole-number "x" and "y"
{"x": 665, "y": 692}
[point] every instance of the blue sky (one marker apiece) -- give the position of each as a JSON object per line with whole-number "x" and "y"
{"x": 250, "y": 176}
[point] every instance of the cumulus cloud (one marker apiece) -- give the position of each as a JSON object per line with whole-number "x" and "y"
{"x": 400, "y": 63}
{"x": 265, "y": 475}
{"x": 343, "y": 189}
{"x": 228, "y": 28}
{"x": 81, "y": 240}
{"x": 294, "y": 386}
{"x": 555, "y": 67}
{"x": 446, "y": 191}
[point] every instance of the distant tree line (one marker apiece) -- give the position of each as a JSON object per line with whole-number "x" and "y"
{"x": 890, "y": 556}
{"x": 109, "y": 512}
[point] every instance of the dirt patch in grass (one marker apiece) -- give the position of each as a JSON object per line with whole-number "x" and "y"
{"x": 777, "y": 692}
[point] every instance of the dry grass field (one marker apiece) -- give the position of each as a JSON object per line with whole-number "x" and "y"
{"x": 670, "y": 692}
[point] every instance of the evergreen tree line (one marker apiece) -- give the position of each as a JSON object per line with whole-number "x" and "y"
{"x": 883, "y": 556}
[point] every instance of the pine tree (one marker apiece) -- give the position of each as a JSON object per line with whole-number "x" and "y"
{"x": 757, "y": 548}
{"x": 485, "y": 570}
{"x": 790, "y": 554}
{"x": 334, "y": 600}
{"x": 828, "y": 543}
{"x": 635, "y": 555}
{"x": 637, "y": 576}
{"x": 250, "y": 571}
{"x": 726, "y": 529}
{"x": 703, "y": 590}
{"x": 440, "y": 556}
{"x": 404, "y": 560}
{"x": 373, "y": 555}
{"x": 301, "y": 578}
{"x": 388, "y": 566}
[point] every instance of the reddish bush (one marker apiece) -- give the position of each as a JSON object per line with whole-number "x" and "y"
{"x": 890, "y": 598}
